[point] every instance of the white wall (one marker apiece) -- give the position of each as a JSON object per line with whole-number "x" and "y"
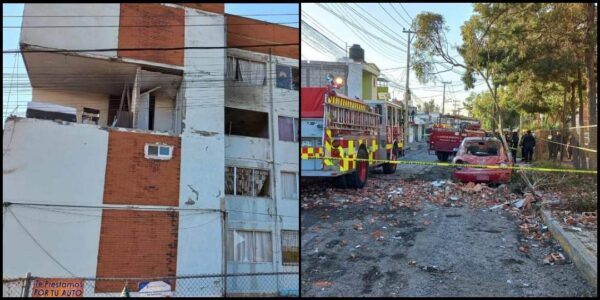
{"x": 354, "y": 80}
{"x": 164, "y": 111}
{"x": 72, "y": 37}
{"x": 202, "y": 144}
{"x": 75, "y": 99}
{"x": 48, "y": 162}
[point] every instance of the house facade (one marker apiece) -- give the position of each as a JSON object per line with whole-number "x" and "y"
{"x": 183, "y": 158}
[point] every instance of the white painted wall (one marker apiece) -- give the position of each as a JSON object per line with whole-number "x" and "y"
{"x": 48, "y": 162}
{"x": 75, "y": 99}
{"x": 242, "y": 152}
{"x": 164, "y": 111}
{"x": 354, "y": 80}
{"x": 202, "y": 144}
{"x": 72, "y": 37}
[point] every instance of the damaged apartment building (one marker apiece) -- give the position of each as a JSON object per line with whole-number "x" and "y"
{"x": 137, "y": 163}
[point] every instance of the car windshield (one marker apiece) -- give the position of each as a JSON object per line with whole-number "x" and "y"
{"x": 482, "y": 148}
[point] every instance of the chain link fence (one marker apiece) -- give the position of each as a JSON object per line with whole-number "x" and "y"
{"x": 212, "y": 285}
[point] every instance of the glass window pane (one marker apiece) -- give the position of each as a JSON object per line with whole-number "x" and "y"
{"x": 164, "y": 151}
{"x": 284, "y": 78}
{"x": 286, "y": 130}
{"x": 152, "y": 150}
{"x": 289, "y": 186}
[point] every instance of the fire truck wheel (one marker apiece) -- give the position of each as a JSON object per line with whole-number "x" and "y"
{"x": 391, "y": 168}
{"x": 358, "y": 178}
{"x": 442, "y": 156}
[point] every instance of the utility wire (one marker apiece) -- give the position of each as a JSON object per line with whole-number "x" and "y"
{"x": 40, "y": 245}
{"x": 143, "y": 26}
{"x": 138, "y": 16}
{"x": 148, "y": 49}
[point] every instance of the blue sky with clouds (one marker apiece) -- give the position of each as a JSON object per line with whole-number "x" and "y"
{"x": 391, "y": 18}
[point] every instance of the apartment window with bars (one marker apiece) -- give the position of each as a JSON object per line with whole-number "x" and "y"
{"x": 290, "y": 247}
{"x": 288, "y": 129}
{"x": 247, "y": 182}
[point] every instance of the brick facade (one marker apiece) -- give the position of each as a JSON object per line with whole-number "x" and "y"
{"x": 133, "y": 179}
{"x": 152, "y": 26}
{"x": 136, "y": 244}
{"x": 245, "y": 31}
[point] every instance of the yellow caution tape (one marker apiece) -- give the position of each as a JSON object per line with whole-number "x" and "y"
{"x": 445, "y": 164}
{"x": 585, "y": 149}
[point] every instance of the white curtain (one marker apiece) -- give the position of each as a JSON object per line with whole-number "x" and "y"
{"x": 245, "y": 70}
{"x": 264, "y": 247}
{"x": 288, "y": 181}
{"x": 243, "y": 244}
{"x": 258, "y": 73}
{"x": 249, "y": 246}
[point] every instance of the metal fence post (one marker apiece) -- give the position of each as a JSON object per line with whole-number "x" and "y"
{"x": 26, "y": 286}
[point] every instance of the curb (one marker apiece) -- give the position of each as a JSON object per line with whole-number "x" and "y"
{"x": 575, "y": 249}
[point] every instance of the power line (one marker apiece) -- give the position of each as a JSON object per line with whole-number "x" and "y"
{"x": 138, "y": 16}
{"x": 147, "y": 49}
{"x": 143, "y": 26}
{"x": 173, "y": 209}
{"x": 40, "y": 245}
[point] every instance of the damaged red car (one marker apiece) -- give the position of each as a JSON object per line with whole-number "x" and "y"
{"x": 482, "y": 151}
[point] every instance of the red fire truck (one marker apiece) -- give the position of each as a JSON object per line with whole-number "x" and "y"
{"x": 337, "y": 129}
{"x": 448, "y": 133}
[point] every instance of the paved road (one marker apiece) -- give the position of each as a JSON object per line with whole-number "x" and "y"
{"x": 436, "y": 251}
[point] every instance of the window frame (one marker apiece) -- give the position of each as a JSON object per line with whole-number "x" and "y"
{"x": 235, "y": 172}
{"x": 296, "y": 189}
{"x": 295, "y": 127}
{"x": 158, "y": 156}
{"x": 233, "y": 248}
{"x": 291, "y": 72}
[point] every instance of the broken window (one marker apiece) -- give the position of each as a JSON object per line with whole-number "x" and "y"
{"x": 247, "y": 182}
{"x": 288, "y": 129}
{"x": 251, "y": 72}
{"x": 289, "y": 185}
{"x": 246, "y": 123}
{"x": 290, "y": 247}
{"x": 90, "y": 116}
{"x": 288, "y": 77}
{"x": 249, "y": 246}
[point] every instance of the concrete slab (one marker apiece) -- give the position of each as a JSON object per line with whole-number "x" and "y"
{"x": 584, "y": 259}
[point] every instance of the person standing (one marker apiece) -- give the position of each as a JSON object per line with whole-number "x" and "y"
{"x": 528, "y": 145}
{"x": 551, "y": 146}
{"x": 514, "y": 145}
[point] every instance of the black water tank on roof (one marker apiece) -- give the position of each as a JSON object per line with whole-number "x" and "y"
{"x": 357, "y": 53}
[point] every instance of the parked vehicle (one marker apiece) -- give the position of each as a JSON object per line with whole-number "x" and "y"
{"x": 336, "y": 126}
{"x": 448, "y": 133}
{"x": 482, "y": 151}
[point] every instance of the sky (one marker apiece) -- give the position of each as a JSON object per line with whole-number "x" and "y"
{"x": 12, "y": 64}
{"x": 384, "y": 56}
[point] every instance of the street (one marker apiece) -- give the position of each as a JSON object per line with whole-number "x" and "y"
{"x": 395, "y": 238}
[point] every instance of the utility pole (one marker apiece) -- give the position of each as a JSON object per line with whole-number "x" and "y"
{"x": 407, "y": 92}
{"x": 444, "y": 96}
